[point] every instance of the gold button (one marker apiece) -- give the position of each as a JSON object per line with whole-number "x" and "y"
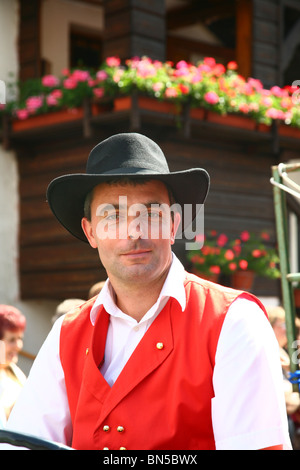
{"x": 106, "y": 428}
{"x": 123, "y": 448}
{"x": 87, "y": 351}
{"x": 159, "y": 345}
{"x": 105, "y": 448}
{"x": 120, "y": 429}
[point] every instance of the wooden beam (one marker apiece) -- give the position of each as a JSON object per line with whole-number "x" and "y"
{"x": 244, "y": 21}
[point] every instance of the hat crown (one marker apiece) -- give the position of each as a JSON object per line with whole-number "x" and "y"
{"x": 129, "y": 152}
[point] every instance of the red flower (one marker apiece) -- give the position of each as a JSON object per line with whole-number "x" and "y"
{"x": 222, "y": 239}
{"x": 229, "y": 255}
{"x": 257, "y": 253}
{"x": 243, "y": 264}
{"x": 232, "y": 65}
{"x": 215, "y": 269}
{"x": 211, "y": 97}
{"x": 113, "y": 61}
{"x": 245, "y": 236}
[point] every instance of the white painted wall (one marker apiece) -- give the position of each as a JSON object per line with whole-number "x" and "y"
{"x": 38, "y": 314}
{"x": 57, "y": 16}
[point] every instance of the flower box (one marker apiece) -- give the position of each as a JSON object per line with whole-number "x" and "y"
{"x": 55, "y": 117}
{"x": 232, "y": 120}
{"x": 123, "y": 103}
{"x": 47, "y": 119}
{"x": 289, "y": 131}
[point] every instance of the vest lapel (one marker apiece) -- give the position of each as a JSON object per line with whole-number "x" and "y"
{"x": 92, "y": 377}
{"x": 150, "y": 353}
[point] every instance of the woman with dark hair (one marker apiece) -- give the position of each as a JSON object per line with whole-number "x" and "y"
{"x": 12, "y": 327}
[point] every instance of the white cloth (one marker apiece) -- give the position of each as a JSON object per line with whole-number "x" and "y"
{"x": 248, "y": 410}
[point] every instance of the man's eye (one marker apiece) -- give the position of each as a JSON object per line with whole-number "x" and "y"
{"x": 112, "y": 217}
{"x": 153, "y": 214}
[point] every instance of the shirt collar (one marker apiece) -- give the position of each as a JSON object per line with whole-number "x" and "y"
{"x": 173, "y": 287}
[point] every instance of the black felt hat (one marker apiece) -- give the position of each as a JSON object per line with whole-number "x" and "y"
{"x": 126, "y": 154}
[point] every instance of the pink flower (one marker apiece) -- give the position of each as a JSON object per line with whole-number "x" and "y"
{"x": 245, "y": 236}
{"x": 222, "y": 240}
{"x": 101, "y": 75}
{"x": 266, "y": 101}
{"x": 50, "y": 81}
{"x": 157, "y": 86}
{"x": 98, "y": 92}
{"x": 171, "y": 92}
{"x": 53, "y": 97}
{"x": 70, "y": 83}
{"x": 113, "y": 61}
{"x": 211, "y": 97}
{"x": 274, "y": 113}
{"x": 81, "y": 75}
{"x": 277, "y": 91}
{"x": 33, "y": 103}
{"x": 22, "y": 113}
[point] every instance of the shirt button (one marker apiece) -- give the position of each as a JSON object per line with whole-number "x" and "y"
{"x": 105, "y": 448}
{"x": 120, "y": 429}
{"x": 136, "y": 328}
{"x": 159, "y": 345}
{"x": 106, "y": 428}
{"x": 123, "y": 448}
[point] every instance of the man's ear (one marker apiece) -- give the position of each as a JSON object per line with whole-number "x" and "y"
{"x": 88, "y": 231}
{"x": 176, "y": 222}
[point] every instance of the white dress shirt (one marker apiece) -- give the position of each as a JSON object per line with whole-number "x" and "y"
{"x": 248, "y": 409}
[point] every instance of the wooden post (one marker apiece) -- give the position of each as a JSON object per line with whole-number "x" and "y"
{"x": 244, "y": 15}
{"x": 135, "y": 28}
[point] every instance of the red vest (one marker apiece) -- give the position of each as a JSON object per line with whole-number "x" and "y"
{"x": 162, "y": 398}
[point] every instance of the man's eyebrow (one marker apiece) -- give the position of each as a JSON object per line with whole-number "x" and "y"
{"x": 109, "y": 206}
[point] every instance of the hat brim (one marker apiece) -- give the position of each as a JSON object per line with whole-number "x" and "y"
{"x": 66, "y": 194}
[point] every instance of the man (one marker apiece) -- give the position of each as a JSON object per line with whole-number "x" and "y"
{"x": 160, "y": 359}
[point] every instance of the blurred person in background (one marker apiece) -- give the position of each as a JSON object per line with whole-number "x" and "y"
{"x": 12, "y": 379}
{"x": 65, "y": 306}
{"x": 292, "y": 399}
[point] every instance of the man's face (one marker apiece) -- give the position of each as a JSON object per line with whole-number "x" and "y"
{"x": 132, "y": 229}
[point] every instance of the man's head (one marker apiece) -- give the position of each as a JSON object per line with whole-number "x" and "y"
{"x": 129, "y": 155}
{"x": 131, "y": 226}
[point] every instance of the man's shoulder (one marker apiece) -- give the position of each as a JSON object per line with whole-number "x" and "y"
{"x": 197, "y": 283}
{"x": 214, "y": 292}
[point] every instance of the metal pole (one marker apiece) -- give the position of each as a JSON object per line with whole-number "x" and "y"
{"x": 286, "y": 285}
